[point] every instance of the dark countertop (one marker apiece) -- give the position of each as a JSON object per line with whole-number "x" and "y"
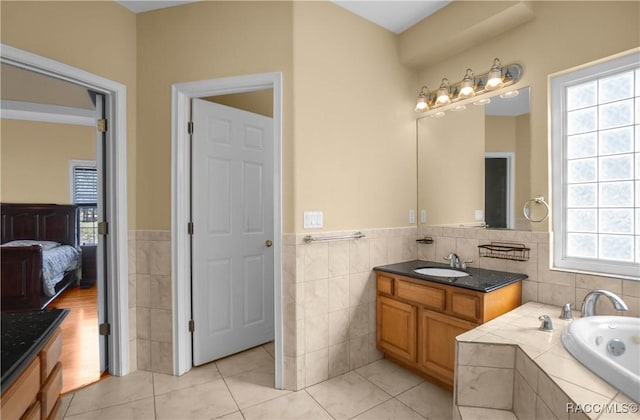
{"x": 479, "y": 279}
{"x": 23, "y": 335}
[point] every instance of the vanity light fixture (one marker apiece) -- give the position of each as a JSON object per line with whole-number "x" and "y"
{"x": 510, "y": 94}
{"x": 422, "y": 103}
{"x": 455, "y": 96}
{"x": 467, "y": 89}
{"x": 482, "y": 101}
{"x": 443, "y": 93}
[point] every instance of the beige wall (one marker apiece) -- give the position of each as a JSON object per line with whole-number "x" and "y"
{"x": 94, "y": 36}
{"x": 562, "y": 35}
{"x": 194, "y": 42}
{"x": 500, "y": 134}
{"x": 35, "y": 159}
{"x": 259, "y": 102}
{"x": 451, "y": 167}
{"x": 523, "y": 165}
{"x": 354, "y": 131}
{"x": 513, "y": 134}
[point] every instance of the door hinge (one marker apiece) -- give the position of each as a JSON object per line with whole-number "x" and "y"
{"x": 192, "y": 325}
{"x": 104, "y": 329}
{"x": 103, "y": 228}
{"x": 190, "y": 228}
{"x": 190, "y": 127}
{"x": 102, "y": 125}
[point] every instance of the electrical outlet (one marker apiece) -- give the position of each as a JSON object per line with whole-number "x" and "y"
{"x": 479, "y": 215}
{"x": 423, "y": 216}
{"x": 412, "y": 216}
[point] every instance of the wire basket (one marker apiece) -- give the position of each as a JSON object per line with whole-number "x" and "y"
{"x": 505, "y": 251}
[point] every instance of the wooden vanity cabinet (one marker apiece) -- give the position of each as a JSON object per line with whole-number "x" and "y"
{"x": 35, "y": 394}
{"x": 396, "y": 325}
{"x": 417, "y": 321}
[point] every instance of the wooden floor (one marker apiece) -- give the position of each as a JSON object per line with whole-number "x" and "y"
{"x": 80, "y": 356}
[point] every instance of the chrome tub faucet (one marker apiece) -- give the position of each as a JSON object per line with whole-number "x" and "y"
{"x": 589, "y": 302}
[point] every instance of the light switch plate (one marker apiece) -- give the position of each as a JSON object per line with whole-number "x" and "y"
{"x": 423, "y": 216}
{"x": 412, "y": 216}
{"x": 312, "y": 219}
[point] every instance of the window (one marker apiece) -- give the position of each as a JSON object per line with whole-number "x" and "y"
{"x": 85, "y": 196}
{"x": 595, "y": 152}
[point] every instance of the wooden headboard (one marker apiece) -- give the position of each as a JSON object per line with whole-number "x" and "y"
{"x": 41, "y": 222}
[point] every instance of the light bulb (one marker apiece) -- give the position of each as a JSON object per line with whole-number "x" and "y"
{"x": 483, "y": 101}
{"x": 466, "y": 87}
{"x": 443, "y": 93}
{"x": 494, "y": 78}
{"x": 421, "y": 103}
{"x": 510, "y": 94}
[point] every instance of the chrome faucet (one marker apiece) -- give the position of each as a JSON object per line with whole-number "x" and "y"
{"x": 589, "y": 302}
{"x": 454, "y": 260}
{"x": 546, "y": 325}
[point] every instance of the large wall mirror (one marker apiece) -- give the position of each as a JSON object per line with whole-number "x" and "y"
{"x": 473, "y": 165}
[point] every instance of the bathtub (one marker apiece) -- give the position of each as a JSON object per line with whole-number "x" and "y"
{"x": 609, "y": 346}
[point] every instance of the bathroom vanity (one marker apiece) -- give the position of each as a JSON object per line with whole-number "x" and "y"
{"x": 419, "y": 316}
{"x": 31, "y": 368}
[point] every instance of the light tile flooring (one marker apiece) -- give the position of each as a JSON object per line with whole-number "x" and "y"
{"x": 241, "y": 387}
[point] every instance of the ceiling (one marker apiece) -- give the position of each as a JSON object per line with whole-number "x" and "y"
{"x": 396, "y": 16}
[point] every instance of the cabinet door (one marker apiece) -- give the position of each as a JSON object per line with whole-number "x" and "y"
{"x": 396, "y": 330}
{"x": 438, "y": 343}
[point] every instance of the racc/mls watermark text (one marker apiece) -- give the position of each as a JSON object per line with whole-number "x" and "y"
{"x": 598, "y": 408}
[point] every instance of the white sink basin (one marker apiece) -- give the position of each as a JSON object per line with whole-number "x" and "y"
{"x": 440, "y": 272}
{"x": 609, "y": 346}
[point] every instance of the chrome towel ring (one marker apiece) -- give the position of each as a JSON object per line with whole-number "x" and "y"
{"x": 527, "y": 212}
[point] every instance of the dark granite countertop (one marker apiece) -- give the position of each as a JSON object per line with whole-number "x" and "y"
{"x": 479, "y": 279}
{"x": 23, "y": 335}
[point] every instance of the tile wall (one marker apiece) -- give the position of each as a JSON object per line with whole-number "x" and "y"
{"x": 329, "y": 292}
{"x": 153, "y": 294}
{"x": 543, "y": 285}
{"x": 133, "y": 330}
{"x": 329, "y": 301}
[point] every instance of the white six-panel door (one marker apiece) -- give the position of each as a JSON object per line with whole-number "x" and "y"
{"x": 232, "y": 214}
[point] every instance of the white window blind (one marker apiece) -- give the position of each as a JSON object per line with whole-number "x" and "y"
{"x": 85, "y": 185}
{"x": 595, "y": 117}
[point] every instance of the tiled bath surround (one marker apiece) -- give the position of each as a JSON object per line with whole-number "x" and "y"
{"x": 329, "y": 301}
{"x": 509, "y": 365}
{"x": 543, "y": 285}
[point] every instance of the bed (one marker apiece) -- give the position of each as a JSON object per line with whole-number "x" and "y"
{"x": 39, "y": 256}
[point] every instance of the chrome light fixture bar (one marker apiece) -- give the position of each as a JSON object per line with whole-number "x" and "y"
{"x": 468, "y": 90}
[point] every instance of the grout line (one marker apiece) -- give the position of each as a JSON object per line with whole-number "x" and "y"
{"x": 73, "y": 395}
{"x": 153, "y": 393}
{"x": 318, "y": 402}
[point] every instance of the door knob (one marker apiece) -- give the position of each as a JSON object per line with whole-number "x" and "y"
{"x": 269, "y": 243}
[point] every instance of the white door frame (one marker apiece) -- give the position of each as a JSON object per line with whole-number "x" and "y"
{"x": 117, "y": 242}
{"x": 511, "y": 183}
{"x": 181, "y": 95}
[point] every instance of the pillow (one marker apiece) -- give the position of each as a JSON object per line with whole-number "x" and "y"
{"x": 46, "y": 245}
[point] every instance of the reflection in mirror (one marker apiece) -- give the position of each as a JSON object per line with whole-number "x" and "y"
{"x": 473, "y": 165}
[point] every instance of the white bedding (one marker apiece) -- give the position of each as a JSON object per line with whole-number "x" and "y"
{"x": 55, "y": 263}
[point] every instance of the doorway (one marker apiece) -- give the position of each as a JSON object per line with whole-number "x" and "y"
{"x": 113, "y": 314}
{"x": 183, "y": 94}
{"x": 499, "y": 189}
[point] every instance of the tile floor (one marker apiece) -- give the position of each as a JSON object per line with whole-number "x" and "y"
{"x": 241, "y": 387}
